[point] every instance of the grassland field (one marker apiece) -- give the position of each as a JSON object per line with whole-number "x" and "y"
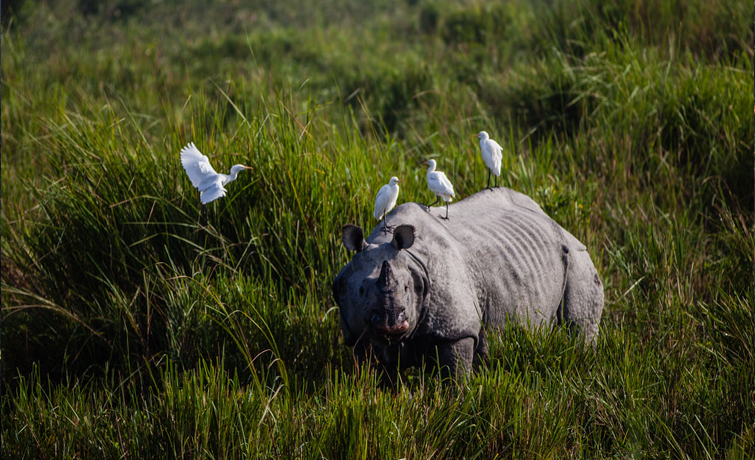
{"x": 132, "y": 329}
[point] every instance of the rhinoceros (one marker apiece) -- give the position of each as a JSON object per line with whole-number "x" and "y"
{"x": 427, "y": 291}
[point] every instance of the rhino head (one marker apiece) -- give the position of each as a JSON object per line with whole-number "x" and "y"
{"x": 381, "y": 291}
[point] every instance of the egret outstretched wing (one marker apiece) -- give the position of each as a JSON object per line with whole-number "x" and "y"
{"x": 203, "y": 176}
{"x": 212, "y": 192}
{"x": 197, "y": 166}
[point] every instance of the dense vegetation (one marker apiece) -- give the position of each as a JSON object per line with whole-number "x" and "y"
{"x": 130, "y": 329}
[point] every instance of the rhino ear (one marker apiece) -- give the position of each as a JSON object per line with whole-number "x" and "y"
{"x": 353, "y": 238}
{"x": 403, "y": 237}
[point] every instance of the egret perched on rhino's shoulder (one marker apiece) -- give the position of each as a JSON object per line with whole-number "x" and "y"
{"x": 429, "y": 291}
{"x": 440, "y": 185}
{"x": 203, "y": 176}
{"x": 386, "y": 200}
{"x": 491, "y": 155}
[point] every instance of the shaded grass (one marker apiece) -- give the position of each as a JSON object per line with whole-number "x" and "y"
{"x": 542, "y": 393}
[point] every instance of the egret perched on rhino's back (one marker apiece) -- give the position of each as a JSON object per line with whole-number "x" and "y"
{"x": 203, "y": 175}
{"x": 491, "y": 155}
{"x": 386, "y": 200}
{"x": 440, "y": 185}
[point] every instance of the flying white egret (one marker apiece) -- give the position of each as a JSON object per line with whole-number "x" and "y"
{"x": 203, "y": 176}
{"x": 386, "y": 200}
{"x": 491, "y": 155}
{"x": 440, "y": 185}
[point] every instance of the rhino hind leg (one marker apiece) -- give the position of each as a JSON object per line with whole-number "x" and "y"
{"x": 583, "y": 296}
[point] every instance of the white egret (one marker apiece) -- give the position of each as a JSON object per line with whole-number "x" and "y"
{"x": 491, "y": 155}
{"x": 440, "y": 185}
{"x": 203, "y": 175}
{"x": 386, "y": 200}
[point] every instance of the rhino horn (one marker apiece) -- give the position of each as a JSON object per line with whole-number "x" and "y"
{"x": 387, "y": 280}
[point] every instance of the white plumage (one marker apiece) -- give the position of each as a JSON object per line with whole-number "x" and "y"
{"x": 491, "y": 155}
{"x": 439, "y": 184}
{"x": 386, "y": 198}
{"x": 203, "y": 176}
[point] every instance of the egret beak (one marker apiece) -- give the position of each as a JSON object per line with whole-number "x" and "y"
{"x": 475, "y": 135}
{"x": 399, "y": 180}
{"x": 247, "y": 167}
{"x": 426, "y": 163}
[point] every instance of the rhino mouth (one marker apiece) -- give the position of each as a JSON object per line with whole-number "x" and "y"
{"x": 389, "y": 323}
{"x": 392, "y": 331}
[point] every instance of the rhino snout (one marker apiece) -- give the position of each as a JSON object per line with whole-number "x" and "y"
{"x": 389, "y": 322}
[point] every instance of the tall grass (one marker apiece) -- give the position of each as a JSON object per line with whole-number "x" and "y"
{"x": 133, "y": 328}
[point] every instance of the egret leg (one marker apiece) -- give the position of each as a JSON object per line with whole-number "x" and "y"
{"x": 386, "y": 228}
{"x": 437, "y": 199}
{"x": 204, "y": 215}
{"x": 446, "y": 212}
{"x": 496, "y": 181}
{"x": 488, "y": 178}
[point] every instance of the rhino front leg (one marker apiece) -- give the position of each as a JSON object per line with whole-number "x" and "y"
{"x": 387, "y": 371}
{"x": 455, "y": 358}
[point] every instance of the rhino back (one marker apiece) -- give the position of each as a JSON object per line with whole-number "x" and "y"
{"x": 519, "y": 261}
{"x": 498, "y": 251}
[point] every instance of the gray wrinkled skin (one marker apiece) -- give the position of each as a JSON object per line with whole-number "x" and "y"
{"x": 427, "y": 290}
